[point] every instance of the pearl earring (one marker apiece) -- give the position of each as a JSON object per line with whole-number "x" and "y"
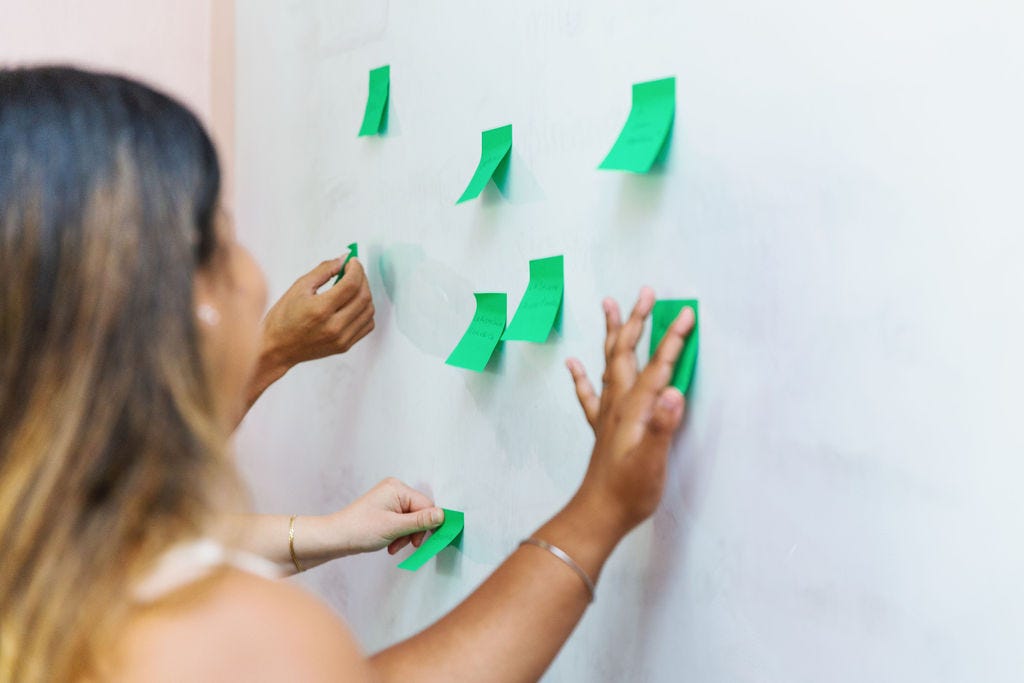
{"x": 208, "y": 314}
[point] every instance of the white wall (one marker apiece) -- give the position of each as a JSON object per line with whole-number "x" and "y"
{"x": 167, "y": 43}
{"x": 844, "y": 196}
{"x": 185, "y": 47}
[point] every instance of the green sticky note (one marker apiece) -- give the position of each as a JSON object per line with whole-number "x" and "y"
{"x": 539, "y": 307}
{"x": 443, "y": 536}
{"x": 478, "y": 343}
{"x": 353, "y": 250}
{"x": 495, "y": 145}
{"x": 377, "y": 101}
{"x": 646, "y": 129}
{"x": 664, "y": 313}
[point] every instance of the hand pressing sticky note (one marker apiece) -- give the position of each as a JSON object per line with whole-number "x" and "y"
{"x": 478, "y": 343}
{"x": 495, "y": 146}
{"x": 443, "y": 536}
{"x": 353, "y": 251}
{"x": 540, "y": 304}
{"x": 646, "y": 129}
{"x": 664, "y": 313}
{"x": 375, "y": 116}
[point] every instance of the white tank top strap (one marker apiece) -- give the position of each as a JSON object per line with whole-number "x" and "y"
{"x": 192, "y": 561}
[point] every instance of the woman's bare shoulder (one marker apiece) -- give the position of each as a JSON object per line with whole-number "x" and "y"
{"x": 236, "y": 626}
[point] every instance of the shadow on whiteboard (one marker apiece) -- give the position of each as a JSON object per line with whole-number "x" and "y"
{"x": 391, "y": 123}
{"x": 449, "y": 560}
{"x": 641, "y": 194}
{"x": 432, "y": 304}
{"x": 483, "y": 386}
{"x": 514, "y": 183}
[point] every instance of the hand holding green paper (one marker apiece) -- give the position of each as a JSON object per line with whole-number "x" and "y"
{"x": 353, "y": 251}
{"x": 443, "y": 536}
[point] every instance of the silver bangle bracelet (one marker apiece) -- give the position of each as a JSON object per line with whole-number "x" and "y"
{"x": 564, "y": 557}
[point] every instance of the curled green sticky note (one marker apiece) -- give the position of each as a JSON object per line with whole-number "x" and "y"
{"x": 443, "y": 536}
{"x": 646, "y": 129}
{"x": 665, "y": 311}
{"x": 353, "y": 251}
{"x": 495, "y": 146}
{"x": 477, "y": 345}
{"x": 375, "y": 116}
{"x": 539, "y": 306}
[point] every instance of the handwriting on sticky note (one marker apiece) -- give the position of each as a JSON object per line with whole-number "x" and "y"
{"x": 443, "y": 536}
{"x": 665, "y": 311}
{"x": 539, "y": 306}
{"x": 353, "y": 251}
{"x": 647, "y": 128}
{"x": 477, "y": 345}
{"x": 495, "y": 146}
{"x": 375, "y": 116}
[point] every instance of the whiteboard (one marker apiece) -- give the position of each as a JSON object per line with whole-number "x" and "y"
{"x": 843, "y": 195}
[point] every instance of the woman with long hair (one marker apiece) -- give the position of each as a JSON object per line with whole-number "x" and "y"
{"x": 129, "y": 328}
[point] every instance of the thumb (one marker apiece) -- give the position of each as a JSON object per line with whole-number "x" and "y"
{"x": 421, "y": 520}
{"x": 318, "y": 277}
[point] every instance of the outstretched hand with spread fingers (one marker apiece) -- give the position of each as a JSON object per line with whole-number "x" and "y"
{"x": 636, "y": 414}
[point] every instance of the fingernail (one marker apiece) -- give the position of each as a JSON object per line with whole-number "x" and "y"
{"x": 646, "y": 299}
{"x": 685, "y": 318}
{"x": 437, "y": 516}
{"x": 670, "y": 399}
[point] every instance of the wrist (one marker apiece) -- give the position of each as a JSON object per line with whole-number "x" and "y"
{"x": 270, "y": 367}
{"x": 586, "y": 531}
{"x": 316, "y": 540}
{"x": 338, "y": 538}
{"x": 273, "y": 361}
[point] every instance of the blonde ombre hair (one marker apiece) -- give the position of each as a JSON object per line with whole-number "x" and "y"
{"x": 109, "y": 451}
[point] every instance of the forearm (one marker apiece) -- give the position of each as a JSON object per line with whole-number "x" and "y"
{"x": 269, "y": 369}
{"x": 316, "y": 539}
{"x": 513, "y": 625}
